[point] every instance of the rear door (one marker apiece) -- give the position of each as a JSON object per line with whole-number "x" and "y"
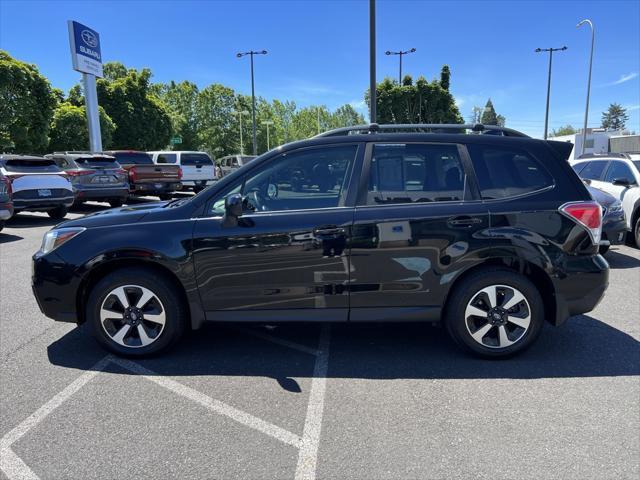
{"x": 417, "y": 222}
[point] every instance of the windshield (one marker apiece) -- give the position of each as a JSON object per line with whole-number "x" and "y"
{"x": 28, "y": 166}
{"x": 133, "y": 158}
{"x": 195, "y": 159}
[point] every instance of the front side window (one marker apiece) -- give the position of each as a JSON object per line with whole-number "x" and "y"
{"x": 506, "y": 172}
{"x": 415, "y": 173}
{"x": 299, "y": 180}
{"x": 594, "y": 170}
{"x": 619, "y": 170}
{"x": 166, "y": 158}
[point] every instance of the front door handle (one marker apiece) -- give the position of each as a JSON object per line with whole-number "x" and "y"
{"x": 329, "y": 230}
{"x": 463, "y": 221}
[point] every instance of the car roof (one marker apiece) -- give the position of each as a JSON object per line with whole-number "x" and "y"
{"x": 178, "y": 151}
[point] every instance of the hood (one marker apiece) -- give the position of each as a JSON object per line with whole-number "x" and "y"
{"x": 115, "y": 216}
{"x": 603, "y": 198}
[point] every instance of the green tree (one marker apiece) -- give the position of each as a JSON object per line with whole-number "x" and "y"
{"x": 615, "y": 118}
{"x": 142, "y": 120}
{"x": 217, "y": 122}
{"x": 69, "y": 130}
{"x": 565, "y": 130}
{"x": 445, "y": 77}
{"x": 346, "y": 116}
{"x": 489, "y": 116}
{"x": 26, "y": 106}
{"x": 181, "y": 100}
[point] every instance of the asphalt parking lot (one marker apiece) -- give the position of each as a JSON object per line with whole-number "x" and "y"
{"x": 316, "y": 401}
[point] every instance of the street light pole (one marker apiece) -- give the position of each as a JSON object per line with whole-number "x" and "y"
{"x": 586, "y": 111}
{"x": 400, "y": 53}
{"x": 267, "y": 123}
{"x": 546, "y": 115}
{"x": 372, "y": 61}
{"x": 253, "y": 95}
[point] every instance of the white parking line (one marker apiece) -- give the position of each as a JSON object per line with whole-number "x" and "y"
{"x": 308, "y": 456}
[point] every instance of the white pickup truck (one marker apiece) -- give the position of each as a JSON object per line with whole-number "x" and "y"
{"x": 198, "y": 170}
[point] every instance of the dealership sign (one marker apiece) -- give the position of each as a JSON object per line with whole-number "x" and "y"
{"x": 85, "y": 49}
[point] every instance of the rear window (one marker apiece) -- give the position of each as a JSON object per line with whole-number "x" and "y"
{"x": 195, "y": 159}
{"x": 135, "y": 158}
{"x": 166, "y": 158}
{"x": 29, "y": 166}
{"x": 506, "y": 172}
{"x": 104, "y": 162}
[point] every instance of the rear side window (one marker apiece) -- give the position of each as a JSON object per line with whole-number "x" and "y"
{"x": 166, "y": 158}
{"x": 507, "y": 172}
{"x": 135, "y": 158}
{"x": 415, "y": 173}
{"x": 619, "y": 170}
{"x": 29, "y": 166}
{"x": 594, "y": 170}
{"x": 190, "y": 159}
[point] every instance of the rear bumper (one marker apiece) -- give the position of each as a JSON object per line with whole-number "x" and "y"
{"x": 614, "y": 229}
{"x": 151, "y": 188}
{"x": 105, "y": 193}
{"x": 580, "y": 286}
{"x": 6, "y": 211}
{"x": 40, "y": 204}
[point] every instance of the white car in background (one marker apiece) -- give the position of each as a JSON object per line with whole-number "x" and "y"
{"x": 37, "y": 184}
{"x": 198, "y": 169}
{"x": 618, "y": 174}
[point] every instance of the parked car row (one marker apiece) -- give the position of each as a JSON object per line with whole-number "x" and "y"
{"x": 54, "y": 182}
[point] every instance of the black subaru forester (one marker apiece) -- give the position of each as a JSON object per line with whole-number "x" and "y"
{"x": 482, "y": 228}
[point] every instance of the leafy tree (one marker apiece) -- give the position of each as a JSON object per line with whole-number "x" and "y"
{"x": 217, "y": 122}
{"x": 69, "y": 130}
{"x": 565, "y": 130}
{"x": 346, "y": 116}
{"x": 181, "y": 100}
{"x": 445, "y": 77}
{"x": 501, "y": 121}
{"x": 26, "y": 106}
{"x": 615, "y": 118}
{"x": 142, "y": 120}
{"x": 476, "y": 115}
{"x": 489, "y": 116}
{"x": 76, "y": 96}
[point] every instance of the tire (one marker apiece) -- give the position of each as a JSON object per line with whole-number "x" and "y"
{"x": 58, "y": 213}
{"x": 636, "y": 232}
{"x": 603, "y": 249}
{"x": 165, "y": 305}
{"x": 164, "y": 197}
{"x": 115, "y": 203}
{"x": 1, "y": 225}
{"x": 492, "y": 332}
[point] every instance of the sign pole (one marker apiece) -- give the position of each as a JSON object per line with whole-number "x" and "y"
{"x": 93, "y": 115}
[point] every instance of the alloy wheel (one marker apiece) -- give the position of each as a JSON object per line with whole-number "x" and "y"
{"x": 132, "y": 316}
{"x": 497, "y": 316}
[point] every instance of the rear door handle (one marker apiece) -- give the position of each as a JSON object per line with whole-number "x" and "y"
{"x": 464, "y": 221}
{"x": 329, "y": 230}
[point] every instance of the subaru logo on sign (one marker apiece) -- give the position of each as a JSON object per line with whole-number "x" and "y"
{"x": 89, "y": 38}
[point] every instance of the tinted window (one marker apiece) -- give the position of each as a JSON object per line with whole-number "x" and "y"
{"x": 306, "y": 179}
{"x": 166, "y": 158}
{"x": 135, "y": 158}
{"x": 195, "y": 159}
{"x": 618, "y": 170}
{"x": 28, "y": 166}
{"x": 637, "y": 164}
{"x": 594, "y": 170}
{"x": 506, "y": 172}
{"x": 64, "y": 163}
{"x": 409, "y": 173}
{"x": 579, "y": 166}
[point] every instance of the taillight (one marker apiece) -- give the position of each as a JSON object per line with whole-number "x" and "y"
{"x": 121, "y": 171}
{"x": 586, "y": 214}
{"x": 79, "y": 173}
{"x": 5, "y": 186}
{"x": 179, "y": 173}
{"x": 133, "y": 174}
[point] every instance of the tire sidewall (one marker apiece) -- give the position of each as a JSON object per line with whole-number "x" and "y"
{"x": 456, "y": 322}
{"x": 174, "y": 320}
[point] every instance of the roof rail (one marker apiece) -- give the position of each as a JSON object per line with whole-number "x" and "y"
{"x": 478, "y": 128}
{"x": 605, "y": 155}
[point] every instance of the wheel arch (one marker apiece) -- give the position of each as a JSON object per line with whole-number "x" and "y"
{"x": 515, "y": 264}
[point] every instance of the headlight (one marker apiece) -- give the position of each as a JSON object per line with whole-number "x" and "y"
{"x": 54, "y": 238}
{"x": 615, "y": 207}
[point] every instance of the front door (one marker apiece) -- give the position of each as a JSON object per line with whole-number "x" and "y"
{"x": 417, "y": 224}
{"x": 286, "y": 259}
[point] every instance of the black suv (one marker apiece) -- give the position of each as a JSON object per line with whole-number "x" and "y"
{"x": 490, "y": 232}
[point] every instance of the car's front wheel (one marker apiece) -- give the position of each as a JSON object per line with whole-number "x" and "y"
{"x": 135, "y": 312}
{"x": 495, "y": 313}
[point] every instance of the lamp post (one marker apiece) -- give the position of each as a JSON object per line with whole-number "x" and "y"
{"x": 267, "y": 123}
{"x": 240, "y": 114}
{"x": 400, "y": 53}
{"x": 253, "y": 95}
{"x": 586, "y": 111}
{"x": 546, "y": 115}
{"x": 372, "y": 61}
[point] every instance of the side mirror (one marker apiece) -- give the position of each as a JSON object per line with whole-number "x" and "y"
{"x": 232, "y": 210}
{"x": 587, "y": 181}
{"x": 622, "y": 182}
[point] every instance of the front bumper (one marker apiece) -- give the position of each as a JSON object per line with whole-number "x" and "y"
{"x": 55, "y": 284}
{"x": 614, "y": 229}
{"x": 580, "y": 286}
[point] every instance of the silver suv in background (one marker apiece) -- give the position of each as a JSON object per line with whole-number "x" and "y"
{"x": 94, "y": 176}
{"x": 231, "y": 163}
{"x": 198, "y": 170}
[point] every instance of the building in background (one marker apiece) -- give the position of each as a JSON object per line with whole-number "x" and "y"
{"x": 601, "y": 141}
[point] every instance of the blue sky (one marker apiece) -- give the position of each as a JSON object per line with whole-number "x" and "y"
{"x": 318, "y": 50}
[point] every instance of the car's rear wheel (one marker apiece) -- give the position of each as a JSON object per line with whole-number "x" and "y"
{"x": 636, "y": 232}
{"x": 115, "y": 203}
{"x": 58, "y": 213}
{"x": 495, "y": 313}
{"x": 135, "y": 312}
{"x": 164, "y": 197}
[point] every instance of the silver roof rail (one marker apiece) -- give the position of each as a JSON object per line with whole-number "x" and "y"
{"x": 371, "y": 128}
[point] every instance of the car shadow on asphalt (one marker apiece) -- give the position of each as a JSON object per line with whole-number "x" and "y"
{"x": 8, "y": 238}
{"x": 583, "y": 347}
{"x": 619, "y": 260}
{"x": 27, "y": 220}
